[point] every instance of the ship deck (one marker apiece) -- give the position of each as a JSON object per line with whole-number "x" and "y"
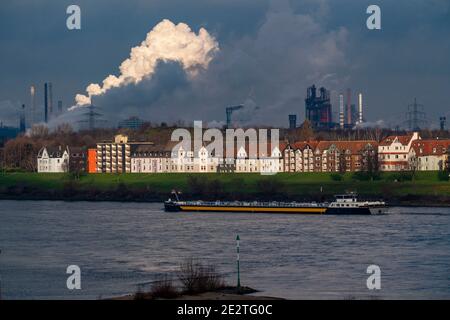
{"x": 256, "y": 204}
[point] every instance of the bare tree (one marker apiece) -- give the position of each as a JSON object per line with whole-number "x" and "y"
{"x": 39, "y": 131}
{"x": 21, "y": 153}
{"x": 63, "y": 129}
{"x": 369, "y": 161}
{"x": 342, "y": 162}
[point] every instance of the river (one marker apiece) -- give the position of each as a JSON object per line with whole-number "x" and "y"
{"x": 120, "y": 246}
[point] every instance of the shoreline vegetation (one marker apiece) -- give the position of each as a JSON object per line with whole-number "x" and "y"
{"x": 397, "y": 188}
{"x": 194, "y": 281}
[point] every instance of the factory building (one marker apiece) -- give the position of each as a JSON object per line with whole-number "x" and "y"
{"x": 318, "y": 108}
{"x": 131, "y": 123}
{"x": 292, "y": 121}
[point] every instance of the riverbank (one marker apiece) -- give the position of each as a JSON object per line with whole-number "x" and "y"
{"x": 229, "y": 293}
{"x": 420, "y": 188}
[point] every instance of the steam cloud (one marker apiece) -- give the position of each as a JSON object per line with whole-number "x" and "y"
{"x": 166, "y": 42}
{"x": 267, "y": 72}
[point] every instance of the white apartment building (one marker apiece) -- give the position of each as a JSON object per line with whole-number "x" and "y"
{"x": 53, "y": 159}
{"x": 394, "y": 152}
{"x": 250, "y": 160}
{"x": 429, "y": 155}
{"x": 149, "y": 159}
{"x": 185, "y": 160}
{"x": 172, "y": 158}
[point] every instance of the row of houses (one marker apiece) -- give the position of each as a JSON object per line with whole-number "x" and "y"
{"x": 395, "y": 153}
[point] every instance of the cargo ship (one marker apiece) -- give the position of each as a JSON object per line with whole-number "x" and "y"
{"x": 346, "y": 204}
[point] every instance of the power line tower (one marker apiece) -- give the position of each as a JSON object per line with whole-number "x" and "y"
{"x": 92, "y": 117}
{"x": 415, "y": 117}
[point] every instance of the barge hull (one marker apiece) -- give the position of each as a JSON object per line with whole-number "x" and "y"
{"x": 171, "y": 207}
{"x": 253, "y": 209}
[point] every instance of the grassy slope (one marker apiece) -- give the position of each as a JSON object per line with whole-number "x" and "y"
{"x": 425, "y": 183}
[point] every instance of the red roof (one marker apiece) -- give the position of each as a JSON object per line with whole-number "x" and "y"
{"x": 301, "y": 145}
{"x": 404, "y": 140}
{"x": 354, "y": 146}
{"x": 431, "y": 147}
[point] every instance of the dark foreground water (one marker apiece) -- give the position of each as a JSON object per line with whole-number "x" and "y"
{"x": 121, "y": 245}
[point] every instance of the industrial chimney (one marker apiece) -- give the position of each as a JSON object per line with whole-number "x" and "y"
{"x": 349, "y": 108}
{"x": 60, "y": 107}
{"x": 360, "y": 108}
{"x": 22, "y": 119}
{"x": 32, "y": 106}
{"x": 50, "y": 100}
{"x": 341, "y": 111}
{"x": 292, "y": 121}
{"x": 442, "y": 121}
{"x": 45, "y": 102}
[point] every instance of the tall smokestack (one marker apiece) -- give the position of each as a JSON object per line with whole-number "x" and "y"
{"x": 292, "y": 121}
{"x": 32, "y": 106}
{"x": 22, "y": 119}
{"x": 45, "y": 102}
{"x": 360, "y": 108}
{"x": 349, "y": 107}
{"x": 341, "y": 111}
{"x": 50, "y": 100}
{"x": 60, "y": 106}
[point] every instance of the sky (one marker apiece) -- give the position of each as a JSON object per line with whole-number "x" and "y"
{"x": 260, "y": 53}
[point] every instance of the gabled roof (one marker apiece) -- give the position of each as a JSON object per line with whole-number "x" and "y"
{"x": 431, "y": 147}
{"x": 404, "y": 140}
{"x": 53, "y": 152}
{"x": 354, "y": 146}
{"x": 301, "y": 145}
{"x": 257, "y": 152}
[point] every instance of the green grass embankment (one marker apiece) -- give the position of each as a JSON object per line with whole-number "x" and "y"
{"x": 420, "y": 188}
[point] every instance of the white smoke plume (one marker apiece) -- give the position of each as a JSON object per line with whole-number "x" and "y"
{"x": 372, "y": 124}
{"x": 165, "y": 42}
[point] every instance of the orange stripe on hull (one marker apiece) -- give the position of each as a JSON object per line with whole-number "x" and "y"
{"x": 253, "y": 209}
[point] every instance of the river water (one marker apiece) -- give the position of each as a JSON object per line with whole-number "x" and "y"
{"x": 120, "y": 246}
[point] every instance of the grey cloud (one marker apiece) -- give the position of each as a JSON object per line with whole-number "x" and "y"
{"x": 269, "y": 70}
{"x": 270, "y": 52}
